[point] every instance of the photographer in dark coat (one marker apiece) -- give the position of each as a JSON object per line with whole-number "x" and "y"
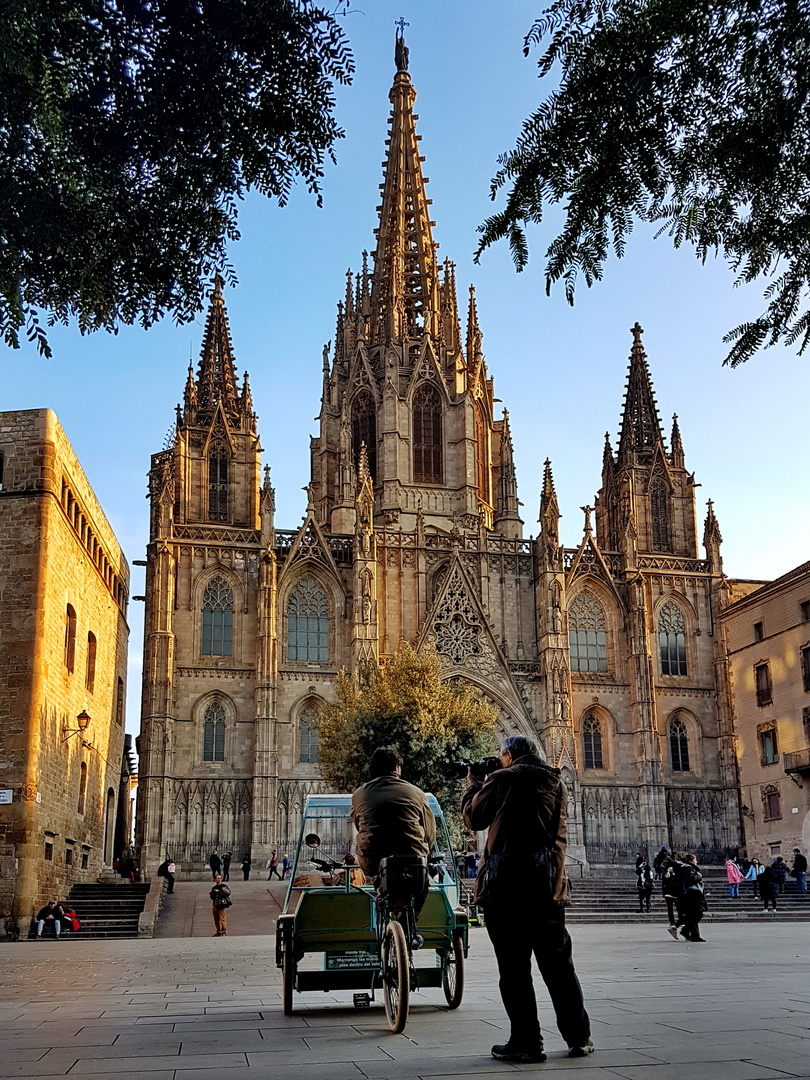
{"x": 522, "y": 887}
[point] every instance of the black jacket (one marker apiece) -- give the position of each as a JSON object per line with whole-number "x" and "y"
{"x": 799, "y": 864}
{"x": 47, "y": 911}
{"x": 219, "y": 894}
{"x": 523, "y": 806}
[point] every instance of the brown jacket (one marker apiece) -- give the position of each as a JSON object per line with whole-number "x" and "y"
{"x": 519, "y": 805}
{"x": 392, "y": 817}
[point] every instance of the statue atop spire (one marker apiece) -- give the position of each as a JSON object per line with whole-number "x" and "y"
{"x": 401, "y": 49}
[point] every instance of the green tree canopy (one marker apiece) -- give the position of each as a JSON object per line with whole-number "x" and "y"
{"x": 130, "y": 129}
{"x": 409, "y": 705}
{"x": 692, "y": 115}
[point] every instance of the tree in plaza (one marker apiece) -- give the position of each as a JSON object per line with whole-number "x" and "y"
{"x": 694, "y": 116}
{"x": 130, "y": 130}
{"x": 405, "y": 703}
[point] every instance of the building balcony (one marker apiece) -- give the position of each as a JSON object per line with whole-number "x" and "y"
{"x": 798, "y": 761}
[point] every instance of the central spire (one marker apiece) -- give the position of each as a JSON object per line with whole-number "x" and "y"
{"x": 641, "y": 428}
{"x": 405, "y": 287}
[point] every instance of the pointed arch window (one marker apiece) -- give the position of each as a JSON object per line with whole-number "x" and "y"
{"x": 82, "y": 788}
{"x": 364, "y": 430}
{"x": 592, "y": 743}
{"x": 308, "y": 623}
{"x": 587, "y": 634}
{"x": 427, "y": 436}
{"x": 217, "y": 618}
{"x": 219, "y": 460}
{"x": 678, "y": 745}
{"x": 308, "y": 736}
{"x": 482, "y": 463}
{"x": 659, "y": 515}
{"x": 672, "y": 639}
{"x": 214, "y": 732}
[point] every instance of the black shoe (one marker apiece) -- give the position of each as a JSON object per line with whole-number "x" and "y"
{"x": 698, "y": 939}
{"x": 581, "y": 1051}
{"x": 510, "y": 1052}
{"x": 683, "y": 934}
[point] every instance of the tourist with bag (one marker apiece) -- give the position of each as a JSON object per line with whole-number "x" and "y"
{"x": 221, "y": 901}
{"x": 522, "y": 887}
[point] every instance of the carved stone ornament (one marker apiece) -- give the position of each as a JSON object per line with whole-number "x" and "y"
{"x": 29, "y": 792}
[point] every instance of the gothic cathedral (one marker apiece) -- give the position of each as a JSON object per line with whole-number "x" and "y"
{"x": 609, "y": 652}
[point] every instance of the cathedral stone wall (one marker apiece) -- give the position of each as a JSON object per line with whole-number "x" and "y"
{"x": 64, "y": 584}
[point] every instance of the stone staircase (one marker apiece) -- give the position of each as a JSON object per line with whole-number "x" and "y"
{"x": 109, "y": 909}
{"x": 611, "y": 899}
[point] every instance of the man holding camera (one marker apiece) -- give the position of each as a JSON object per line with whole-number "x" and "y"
{"x": 522, "y": 803}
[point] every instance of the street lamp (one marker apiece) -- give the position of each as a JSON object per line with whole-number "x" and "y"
{"x": 83, "y": 720}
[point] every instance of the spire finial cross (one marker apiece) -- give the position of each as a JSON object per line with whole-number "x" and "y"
{"x": 400, "y": 22}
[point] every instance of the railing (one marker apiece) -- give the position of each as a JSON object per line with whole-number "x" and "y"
{"x": 797, "y": 761}
{"x": 341, "y": 547}
{"x": 187, "y": 855}
{"x": 625, "y": 854}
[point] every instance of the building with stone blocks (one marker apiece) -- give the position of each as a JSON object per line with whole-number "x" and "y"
{"x": 768, "y": 640}
{"x": 607, "y": 651}
{"x": 64, "y": 584}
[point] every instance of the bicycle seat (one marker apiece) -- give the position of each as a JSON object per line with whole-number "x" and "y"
{"x": 402, "y": 877}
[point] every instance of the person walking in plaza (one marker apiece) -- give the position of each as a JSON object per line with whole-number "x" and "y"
{"x": 220, "y": 902}
{"x": 644, "y": 885}
{"x": 779, "y": 873}
{"x": 523, "y": 805}
{"x": 693, "y": 900}
{"x": 769, "y": 888}
{"x": 735, "y": 876}
{"x": 285, "y": 866}
{"x": 754, "y": 873}
{"x": 272, "y": 865}
{"x": 215, "y": 862}
{"x": 670, "y": 887}
{"x": 799, "y": 870}
{"x": 246, "y": 867}
{"x": 226, "y": 865}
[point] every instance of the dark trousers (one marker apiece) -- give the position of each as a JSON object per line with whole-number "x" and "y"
{"x": 170, "y": 879}
{"x": 644, "y": 897}
{"x": 517, "y": 935}
{"x": 670, "y": 902}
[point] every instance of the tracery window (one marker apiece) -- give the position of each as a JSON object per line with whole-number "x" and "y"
{"x": 482, "y": 456}
{"x": 217, "y": 618}
{"x": 592, "y": 743}
{"x": 308, "y": 623}
{"x": 214, "y": 732}
{"x": 308, "y": 736}
{"x": 672, "y": 639}
{"x": 364, "y": 430}
{"x": 659, "y": 515}
{"x": 427, "y": 436}
{"x": 218, "y": 465}
{"x": 678, "y": 745}
{"x": 587, "y": 634}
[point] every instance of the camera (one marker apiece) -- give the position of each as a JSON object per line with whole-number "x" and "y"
{"x": 479, "y": 769}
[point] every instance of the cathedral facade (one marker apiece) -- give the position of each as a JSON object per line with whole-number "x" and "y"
{"x": 608, "y": 652}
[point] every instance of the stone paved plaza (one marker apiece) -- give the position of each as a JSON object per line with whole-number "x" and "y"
{"x": 736, "y": 1008}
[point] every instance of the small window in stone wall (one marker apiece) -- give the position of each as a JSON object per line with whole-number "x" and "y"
{"x": 768, "y": 747}
{"x": 48, "y": 852}
{"x": 762, "y": 679}
{"x": 68, "y": 856}
{"x": 771, "y": 803}
{"x": 806, "y": 668}
{"x": 90, "y": 678}
{"x": 70, "y": 638}
{"x": 85, "y": 860}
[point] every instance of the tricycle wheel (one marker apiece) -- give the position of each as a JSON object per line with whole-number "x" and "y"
{"x": 288, "y": 981}
{"x": 396, "y": 976}
{"x": 453, "y": 972}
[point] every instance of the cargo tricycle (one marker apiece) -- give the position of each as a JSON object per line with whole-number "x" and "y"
{"x": 339, "y": 930}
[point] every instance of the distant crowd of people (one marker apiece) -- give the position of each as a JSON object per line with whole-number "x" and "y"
{"x": 683, "y": 890}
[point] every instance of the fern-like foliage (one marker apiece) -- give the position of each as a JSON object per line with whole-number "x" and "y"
{"x": 694, "y": 116}
{"x": 129, "y": 132}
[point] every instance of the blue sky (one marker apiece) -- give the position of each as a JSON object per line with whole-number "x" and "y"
{"x": 559, "y": 370}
